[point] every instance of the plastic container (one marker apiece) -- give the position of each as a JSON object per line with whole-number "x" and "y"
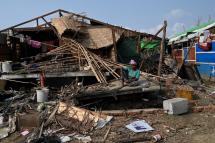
{"x": 185, "y": 92}
{"x": 42, "y": 95}
{"x": 6, "y": 67}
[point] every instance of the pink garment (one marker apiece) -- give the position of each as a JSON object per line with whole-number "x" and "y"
{"x": 35, "y": 44}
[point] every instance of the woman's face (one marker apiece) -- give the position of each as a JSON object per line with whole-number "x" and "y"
{"x": 134, "y": 66}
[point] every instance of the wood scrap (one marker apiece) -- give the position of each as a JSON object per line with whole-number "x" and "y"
{"x": 106, "y": 135}
{"x": 51, "y": 115}
{"x": 131, "y": 140}
{"x": 41, "y": 130}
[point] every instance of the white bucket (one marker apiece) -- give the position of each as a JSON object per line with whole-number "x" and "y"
{"x": 46, "y": 90}
{"x": 42, "y": 95}
{"x": 6, "y": 67}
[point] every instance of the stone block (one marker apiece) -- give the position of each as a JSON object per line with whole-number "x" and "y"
{"x": 175, "y": 106}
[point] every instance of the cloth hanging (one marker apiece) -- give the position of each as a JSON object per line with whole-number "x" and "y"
{"x": 204, "y": 41}
{"x": 35, "y": 44}
{"x": 207, "y": 46}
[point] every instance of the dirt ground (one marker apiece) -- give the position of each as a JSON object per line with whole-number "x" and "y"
{"x": 193, "y": 127}
{"x": 188, "y": 128}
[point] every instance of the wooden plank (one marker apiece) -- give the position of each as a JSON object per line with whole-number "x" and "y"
{"x": 106, "y": 135}
{"x": 79, "y": 113}
{"x": 120, "y": 92}
{"x": 51, "y": 75}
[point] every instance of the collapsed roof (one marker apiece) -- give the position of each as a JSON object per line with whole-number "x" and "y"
{"x": 68, "y": 23}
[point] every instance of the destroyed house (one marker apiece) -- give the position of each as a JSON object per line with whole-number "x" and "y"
{"x": 196, "y": 47}
{"x": 65, "y": 44}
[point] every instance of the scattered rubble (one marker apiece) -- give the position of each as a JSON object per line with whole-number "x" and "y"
{"x": 65, "y": 83}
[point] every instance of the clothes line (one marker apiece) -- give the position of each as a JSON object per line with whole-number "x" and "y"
{"x": 35, "y": 43}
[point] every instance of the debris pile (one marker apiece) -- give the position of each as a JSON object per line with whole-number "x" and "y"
{"x": 62, "y": 75}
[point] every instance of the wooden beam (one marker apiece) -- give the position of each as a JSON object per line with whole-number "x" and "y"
{"x": 138, "y": 44}
{"x": 159, "y": 31}
{"x": 31, "y": 20}
{"x": 84, "y": 17}
{"x": 48, "y": 75}
{"x": 106, "y": 24}
{"x": 52, "y": 27}
{"x": 162, "y": 48}
{"x": 37, "y": 22}
{"x": 114, "y": 44}
{"x": 60, "y": 14}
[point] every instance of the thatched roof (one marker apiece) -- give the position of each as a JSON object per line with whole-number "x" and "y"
{"x": 99, "y": 37}
{"x": 65, "y": 23}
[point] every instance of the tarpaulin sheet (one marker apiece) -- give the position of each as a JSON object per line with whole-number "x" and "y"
{"x": 149, "y": 44}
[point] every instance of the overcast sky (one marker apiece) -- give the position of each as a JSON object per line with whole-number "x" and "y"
{"x": 141, "y": 15}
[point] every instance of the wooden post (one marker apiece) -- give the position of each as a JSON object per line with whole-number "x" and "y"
{"x": 138, "y": 44}
{"x": 159, "y": 31}
{"x": 37, "y": 22}
{"x": 172, "y": 50}
{"x": 162, "y": 48}
{"x": 60, "y": 14}
{"x": 114, "y": 43}
{"x": 122, "y": 76}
